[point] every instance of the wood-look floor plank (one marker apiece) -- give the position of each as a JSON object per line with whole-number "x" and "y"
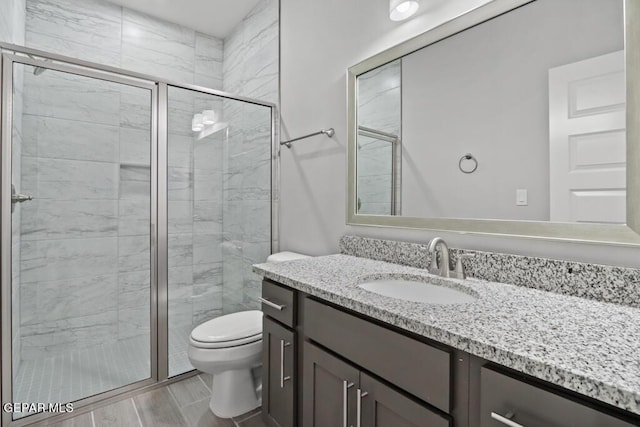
{"x": 189, "y": 391}
{"x": 247, "y": 415}
{"x": 120, "y": 414}
{"x": 207, "y": 379}
{"x": 83, "y": 420}
{"x": 254, "y": 421}
{"x": 157, "y": 408}
{"x": 199, "y": 415}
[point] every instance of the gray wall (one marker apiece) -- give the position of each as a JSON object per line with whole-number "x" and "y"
{"x": 475, "y": 93}
{"x": 315, "y": 56}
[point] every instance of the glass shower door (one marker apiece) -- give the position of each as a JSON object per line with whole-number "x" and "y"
{"x": 80, "y": 282}
{"x": 219, "y": 210}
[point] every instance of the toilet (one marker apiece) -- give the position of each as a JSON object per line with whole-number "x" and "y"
{"x": 229, "y": 347}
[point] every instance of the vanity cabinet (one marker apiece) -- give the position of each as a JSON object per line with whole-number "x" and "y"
{"x": 326, "y": 366}
{"x": 279, "y": 357}
{"x": 367, "y": 375}
{"x": 337, "y": 393}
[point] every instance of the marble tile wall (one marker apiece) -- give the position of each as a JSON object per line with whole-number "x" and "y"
{"x": 85, "y": 252}
{"x": 379, "y": 99}
{"x": 207, "y": 227}
{"x": 195, "y": 215}
{"x": 12, "y": 30}
{"x": 73, "y": 249}
{"x": 250, "y": 68}
{"x": 87, "y": 155}
{"x": 12, "y": 21}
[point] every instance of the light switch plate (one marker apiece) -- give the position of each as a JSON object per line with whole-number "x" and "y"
{"x": 522, "y": 197}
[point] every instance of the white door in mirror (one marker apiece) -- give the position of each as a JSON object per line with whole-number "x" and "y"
{"x": 587, "y": 152}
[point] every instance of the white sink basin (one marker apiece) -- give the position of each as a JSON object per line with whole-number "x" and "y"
{"x": 410, "y": 290}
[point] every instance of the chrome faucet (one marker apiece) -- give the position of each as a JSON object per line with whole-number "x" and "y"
{"x": 443, "y": 269}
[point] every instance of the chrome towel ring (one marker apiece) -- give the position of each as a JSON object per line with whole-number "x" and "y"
{"x": 470, "y": 168}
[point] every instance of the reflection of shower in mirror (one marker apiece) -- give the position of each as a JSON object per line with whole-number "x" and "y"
{"x": 37, "y": 70}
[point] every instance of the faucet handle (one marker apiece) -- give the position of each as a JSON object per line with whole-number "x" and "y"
{"x": 459, "y": 271}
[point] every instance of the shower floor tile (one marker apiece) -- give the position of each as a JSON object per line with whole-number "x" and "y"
{"x": 82, "y": 373}
{"x": 77, "y": 374}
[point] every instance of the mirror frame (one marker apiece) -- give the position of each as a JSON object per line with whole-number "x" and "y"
{"x": 626, "y": 235}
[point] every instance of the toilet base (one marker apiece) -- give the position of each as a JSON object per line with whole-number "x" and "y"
{"x": 233, "y": 393}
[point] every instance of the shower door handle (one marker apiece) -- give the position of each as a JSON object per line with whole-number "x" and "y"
{"x": 18, "y": 198}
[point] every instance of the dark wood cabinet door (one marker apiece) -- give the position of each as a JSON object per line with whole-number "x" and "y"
{"x": 278, "y": 374}
{"x": 382, "y": 406}
{"x": 329, "y": 389}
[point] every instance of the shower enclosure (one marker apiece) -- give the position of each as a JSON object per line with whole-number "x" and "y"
{"x": 132, "y": 210}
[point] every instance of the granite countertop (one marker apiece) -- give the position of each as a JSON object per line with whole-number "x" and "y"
{"x": 586, "y": 346}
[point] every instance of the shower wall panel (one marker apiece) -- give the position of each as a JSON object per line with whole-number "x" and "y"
{"x": 115, "y": 231}
{"x": 207, "y": 226}
{"x": 194, "y": 221}
{"x": 70, "y": 230}
{"x": 12, "y": 21}
{"x": 251, "y": 69}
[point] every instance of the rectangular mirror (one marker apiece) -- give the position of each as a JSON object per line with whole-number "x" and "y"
{"x": 516, "y": 118}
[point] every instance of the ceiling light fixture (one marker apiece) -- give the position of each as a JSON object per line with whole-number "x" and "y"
{"x": 400, "y": 10}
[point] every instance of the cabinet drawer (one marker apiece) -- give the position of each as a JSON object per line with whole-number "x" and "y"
{"x": 531, "y": 406}
{"x": 278, "y": 302}
{"x": 416, "y": 367}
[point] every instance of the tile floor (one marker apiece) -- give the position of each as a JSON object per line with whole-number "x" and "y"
{"x": 181, "y": 404}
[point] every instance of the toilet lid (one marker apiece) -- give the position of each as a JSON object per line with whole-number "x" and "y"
{"x": 231, "y": 329}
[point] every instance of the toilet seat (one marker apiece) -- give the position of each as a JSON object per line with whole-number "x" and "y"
{"x": 225, "y": 344}
{"x": 230, "y": 330}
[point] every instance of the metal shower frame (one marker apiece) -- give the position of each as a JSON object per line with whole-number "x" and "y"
{"x": 159, "y": 87}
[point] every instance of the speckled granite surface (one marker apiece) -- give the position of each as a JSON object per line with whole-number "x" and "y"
{"x": 619, "y": 285}
{"x": 587, "y": 346}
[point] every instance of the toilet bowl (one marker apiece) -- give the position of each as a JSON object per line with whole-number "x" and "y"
{"x": 228, "y": 348}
